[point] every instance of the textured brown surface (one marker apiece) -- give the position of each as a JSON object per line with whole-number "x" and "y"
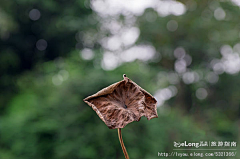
{"x": 122, "y": 103}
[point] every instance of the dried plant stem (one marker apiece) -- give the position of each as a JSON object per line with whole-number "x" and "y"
{"x": 122, "y": 144}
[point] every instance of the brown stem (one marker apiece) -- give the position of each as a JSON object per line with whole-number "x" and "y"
{"x": 122, "y": 144}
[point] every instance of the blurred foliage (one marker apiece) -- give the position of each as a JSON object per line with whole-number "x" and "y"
{"x": 58, "y": 24}
{"x": 42, "y": 112}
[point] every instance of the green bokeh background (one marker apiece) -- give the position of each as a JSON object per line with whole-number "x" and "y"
{"x": 42, "y": 113}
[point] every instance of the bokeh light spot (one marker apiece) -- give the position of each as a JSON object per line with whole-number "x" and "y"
{"x": 172, "y": 25}
{"x": 188, "y": 77}
{"x": 180, "y": 66}
{"x": 57, "y": 79}
{"x": 41, "y": 44}
{"x": 179, "y": 52}
{"x": 34, "y": 14}
{"x": 164, "y": 94}
{"x": 225, "y": 50}
{"x": 201, "y": 93}
{"x": 212, "y": 77}
{"x": 64, "y": 74}
{"x": 87, "y": 54}
{"x": 141, "y": 52}
{"x": 110, "y": 61}
{"x": 219, "y": 14}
